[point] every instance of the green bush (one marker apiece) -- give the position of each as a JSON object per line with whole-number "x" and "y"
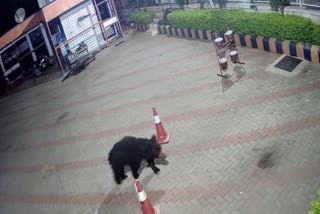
{"x": 143, "y": 18}
{"x": 316, "y": 35}
{"x": 284, "y": 27}
{"x": 316, "y": 206}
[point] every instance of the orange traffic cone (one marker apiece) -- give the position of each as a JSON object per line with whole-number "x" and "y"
{"x": 146, "y": 205}
{"x": 162, "y": 136}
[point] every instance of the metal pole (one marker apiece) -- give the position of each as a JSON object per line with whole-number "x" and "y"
{"x": 55, "y": 50}
{"x": 116, "y": 13}
{"x": 33, "y": 54}
{"x": 46, "y": 39}
{"x": 101, "y": 22}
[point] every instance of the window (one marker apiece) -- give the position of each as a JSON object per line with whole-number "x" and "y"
{"x": 99, "y": 1}
{"x": 22, "y": 47}
{"x": 9, "y": 58}
{"x": 36, "y": 38}
{"x": 104, "y": 11}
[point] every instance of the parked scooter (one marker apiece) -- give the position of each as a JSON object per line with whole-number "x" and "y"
{"x": 39, "y": 66}
{"x": 34, "y": 69}
{"x": 44, "y": 62}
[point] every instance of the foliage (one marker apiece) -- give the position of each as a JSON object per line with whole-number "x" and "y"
{"x": 287, "y": 27}
{"x": 315, "y": 35}
{"x": 279, "y": 4}
{"x": 142, "y": 17}
{"x": 316, "y": 206}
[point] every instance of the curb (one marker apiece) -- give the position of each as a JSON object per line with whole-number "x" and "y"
{"x": 273, "y": 45}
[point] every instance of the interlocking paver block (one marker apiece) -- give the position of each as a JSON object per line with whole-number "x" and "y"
{"x": 54, "y": 143}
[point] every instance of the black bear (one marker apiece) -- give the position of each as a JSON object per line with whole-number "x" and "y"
{"x": 132, "y": 151}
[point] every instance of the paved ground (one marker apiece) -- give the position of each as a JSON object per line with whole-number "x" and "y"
{"x": 49, "y": 74}
{"x": 246, "y": 145}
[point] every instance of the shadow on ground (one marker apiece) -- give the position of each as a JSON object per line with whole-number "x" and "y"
{"x": 235, "y": 76}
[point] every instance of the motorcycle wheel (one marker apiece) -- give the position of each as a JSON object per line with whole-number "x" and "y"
{"x": 37, "y": 72}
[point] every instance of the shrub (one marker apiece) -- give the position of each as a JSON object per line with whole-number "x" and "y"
{"x": 284, "y": 27}
{"x": 143, "y": 18}
{"x": 316, "y": 206}
{"x": 315, "y": 35}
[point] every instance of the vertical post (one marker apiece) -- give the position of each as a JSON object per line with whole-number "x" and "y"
{"x": 115, "y": 9}
{"x": 34, "y": 57}
{"x": 101, "y": 21}
{"x": 45, "y": 36}
{"x": 2, "y": 67}
{"x": 55, "y": 50}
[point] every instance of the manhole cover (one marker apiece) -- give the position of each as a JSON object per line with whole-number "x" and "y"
{"x": 288, "y": 66}
{"x": 288, "y": 63}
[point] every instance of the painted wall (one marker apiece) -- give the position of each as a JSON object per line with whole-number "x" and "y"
{"x": 19, "y": 30}
{"x": 57, "y": 7}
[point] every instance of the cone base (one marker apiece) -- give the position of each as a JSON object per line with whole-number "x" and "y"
{"x": 166, "y": 140}
{"x": 156, "y": 209}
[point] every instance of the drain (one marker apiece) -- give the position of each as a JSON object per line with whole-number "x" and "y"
{"x": 288, "y": 63}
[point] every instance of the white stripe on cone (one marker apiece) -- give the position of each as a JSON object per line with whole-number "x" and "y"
{"x": 157, "y": 119}
{"x": 142, "y": 196}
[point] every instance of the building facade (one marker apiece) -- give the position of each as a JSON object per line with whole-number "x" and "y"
{"x": 54, "y": 28}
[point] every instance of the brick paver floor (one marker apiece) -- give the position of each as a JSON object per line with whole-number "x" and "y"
{"x": 249, "y": 144}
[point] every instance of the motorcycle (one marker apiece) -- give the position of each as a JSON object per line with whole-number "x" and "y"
{"x": 44, "y": 62}
{"x": 39, "y": 66}
{"x": 34, "y": 69}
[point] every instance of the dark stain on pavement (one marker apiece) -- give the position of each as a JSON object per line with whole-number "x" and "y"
{"x": 266, "y": 160}
{"x": 62, "y": 117}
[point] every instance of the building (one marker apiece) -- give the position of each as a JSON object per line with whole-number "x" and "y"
{"x": 54, "y": 28}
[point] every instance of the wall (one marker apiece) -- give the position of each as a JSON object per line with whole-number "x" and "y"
{"x": 19, "y": 30}
{"x": 58, "y": 7}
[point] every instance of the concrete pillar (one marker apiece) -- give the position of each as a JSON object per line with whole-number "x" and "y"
{"x": 260, "y": 43}
{"x": 315, "y": 54}
{"x": 272, "y": 45}
{"x": 285, "y": 47}
{"x": 300, "y": 53}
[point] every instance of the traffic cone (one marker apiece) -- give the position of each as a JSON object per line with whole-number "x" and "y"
{"x": 162, "y": 136}
{"x": 146, "y": 205}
